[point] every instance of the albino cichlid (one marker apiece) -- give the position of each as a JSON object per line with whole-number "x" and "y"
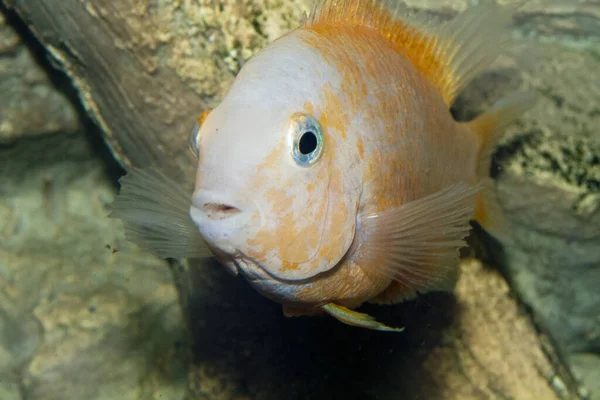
{"x": 332, "y": 173}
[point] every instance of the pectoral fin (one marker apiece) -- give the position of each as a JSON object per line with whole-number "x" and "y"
{"x": 355, "y": 318}
{"x": 417, "y": 244}
{"x": 155, "y": 212}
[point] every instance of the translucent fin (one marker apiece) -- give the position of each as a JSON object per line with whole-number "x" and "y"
{"x": 355, "y": 318}
{"x": 449, "y": 54}
{"x": 417, "y": 244}
{"x": 488, "y": 128}
{"x": 155, "y": 212}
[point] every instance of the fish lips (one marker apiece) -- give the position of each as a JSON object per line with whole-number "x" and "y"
{"x": 223, "y": 235}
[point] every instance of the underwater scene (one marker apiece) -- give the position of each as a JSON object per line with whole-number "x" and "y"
{"x": 299, "y": 199}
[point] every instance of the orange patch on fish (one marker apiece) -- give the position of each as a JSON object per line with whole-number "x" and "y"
{"x": 336, "y": 52}
{"x": 309, "y": 108}
{"x": 202, "y": 117}
{"x": 360, "y": 148}
{"x": 422, "y": 50}
{"x": 347, "y": 48}
{"x": 342, "y": 286}
{"x": 313, "y": 239}
{"x": 288, "y": 266}
{"x": 333, "y": 119}
{"x": 481, "y": 214}
{"x": 261, "y": 177}
{"x": 293, "y": 239}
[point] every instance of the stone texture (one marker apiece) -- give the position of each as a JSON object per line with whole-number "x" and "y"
{"x": 77, "y": 320}
{"x": 31, "y": 105}
{"x": 548, "y": 185}
{"x": 587, "y": 368}
{"x": 548, "y": 181}
{"x": 176, "y": 58}
{"x": 179, "y": 57}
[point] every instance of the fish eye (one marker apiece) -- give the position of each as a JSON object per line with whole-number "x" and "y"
{"x": 306, "y": 139}
{"x": 194, "y": 135}
{"x": 193, "y": 139}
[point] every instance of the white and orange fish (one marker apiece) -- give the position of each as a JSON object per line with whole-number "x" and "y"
{"x": 332, "y": 173}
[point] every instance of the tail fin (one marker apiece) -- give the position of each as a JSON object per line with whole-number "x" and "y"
{"x": 488, "y": 128}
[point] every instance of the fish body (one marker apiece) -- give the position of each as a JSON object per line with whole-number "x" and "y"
{"x": 332, "y": 173}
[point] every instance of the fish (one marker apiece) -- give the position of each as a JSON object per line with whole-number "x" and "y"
{"x": 332, "y": 172}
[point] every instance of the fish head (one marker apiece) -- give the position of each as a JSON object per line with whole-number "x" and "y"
{"x": 277, "y": 185}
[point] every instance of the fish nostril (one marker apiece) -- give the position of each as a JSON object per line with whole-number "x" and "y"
{"x": 218, "y": 211}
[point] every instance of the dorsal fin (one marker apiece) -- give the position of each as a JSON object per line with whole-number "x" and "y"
{"x": 448, "y": 54}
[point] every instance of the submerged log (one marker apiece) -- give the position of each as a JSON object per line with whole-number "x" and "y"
{"x": 144, "y": 71}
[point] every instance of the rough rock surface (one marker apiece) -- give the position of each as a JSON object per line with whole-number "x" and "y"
{"x": 587, "y": 368}
{"x": 548, "y": 181}
{"x": 78, "y": 321}
{"x": 178, "y": 57}
{"x": 31, "y": 105}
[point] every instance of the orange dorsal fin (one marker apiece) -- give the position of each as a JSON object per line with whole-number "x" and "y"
{"x": 449, "y": 54}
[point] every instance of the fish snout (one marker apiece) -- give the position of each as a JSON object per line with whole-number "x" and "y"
{"x": 223, "y": 220}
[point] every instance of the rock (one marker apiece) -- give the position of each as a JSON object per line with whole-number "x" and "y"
{"x": 83, "y": 314}
{"x": 548, "y": 182}
{"x": 31, "y": 105}
{"x": 9, "y": 390}
{"x": 176, "y": 59}
{"x": 587, "y": 368}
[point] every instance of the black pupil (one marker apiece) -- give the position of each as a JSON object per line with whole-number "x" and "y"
{"x": 308, "y": 143}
